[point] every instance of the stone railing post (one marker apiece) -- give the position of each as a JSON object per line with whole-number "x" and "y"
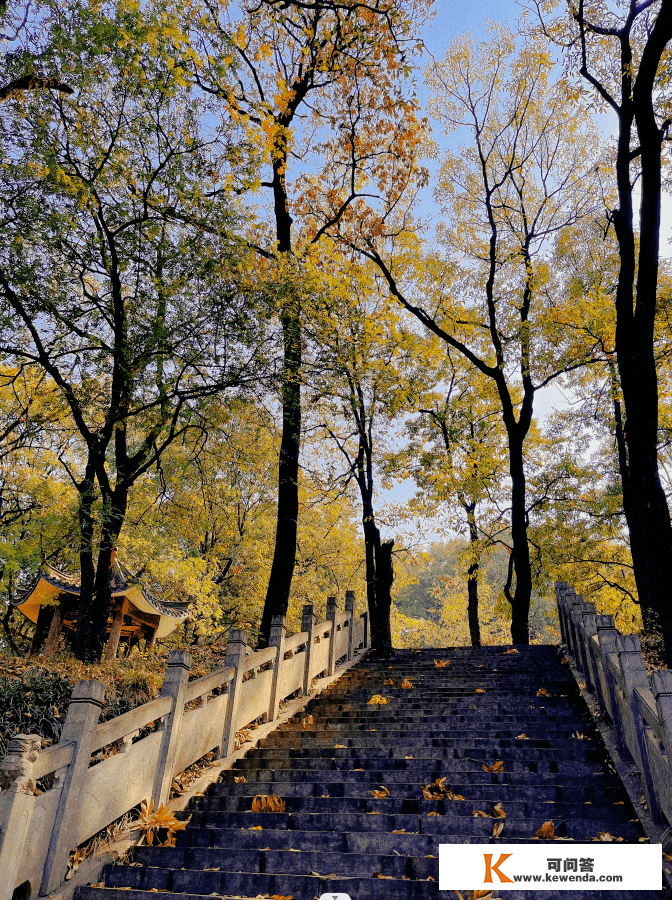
{"x": 308, "y": 622}
{"x": 635, "y": 676}
{"x": 661, "y": 686}
{"x": 16, "y": 806}
{"x": 174, "y": 685}
{"x": 332, "y": 609}
{"x": 277, "y": 639}
{"x": 586, "y": 629}
{"x": 367, "y": 637}
{"x": 606, "y": 635}
{"x": 236, "y": 651}
{"x": 560, "y": 592}
{"x": 350, "y": 608}
{"x": 80, "y": 729}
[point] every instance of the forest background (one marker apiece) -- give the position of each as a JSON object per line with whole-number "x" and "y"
{"x": 239, "y": 260}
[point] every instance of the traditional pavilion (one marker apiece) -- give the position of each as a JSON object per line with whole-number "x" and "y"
{"x": 52, "y": 604}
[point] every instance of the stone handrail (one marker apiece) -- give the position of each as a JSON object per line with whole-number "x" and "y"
{"x": 39, "y": 830}
{"x": 637, "y": 706}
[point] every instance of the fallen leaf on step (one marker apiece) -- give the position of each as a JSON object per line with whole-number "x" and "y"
{"x": 512, "y": 650}
{"x": 308, "y": 721}
{"x": 380, "y": 794}
{"x": 605, "y": 836}
{"x": 667, "y": 857}
{"x": 377, "y": 698}
{"x": 619, "y": 803}
{"x": 373, "y": 814}
{"x": 579, "y": 736}
{"x": 522, "y": 737}
{"x": 387, "y": 681}
{"x": 564, "y": 661}
{"x": 498, "y": 812}
{"x": 403, "y": 831}
{"x": 340, "y": 746}
{"x": 495, "y": 767}
{"x": 479, "y": 812}
{"x": 441, "y": 663}
{"x": 268, "y": 803}
{"x": 547, "y": 831}
{"x": 282, "y": 897}
{"x": 542, "y": 692}
{"x": 396, "y": 852}
{"x": 409, "y": 757}
{"x": 497, "y": 829}
{"x": 432, "y": 814}
{"x": 430, "y": 856}
{"x": 255, "y": 828}
{"x": 480, "y": 691}
{"x": 406, "y": 684}
{"x": 240, "y": 779}
{"x": 378, "y": 875}
{"x": 212, "y": 870}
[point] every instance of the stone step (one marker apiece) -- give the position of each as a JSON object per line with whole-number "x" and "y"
{"x": 414, "y": 805}
{"x": 402, "y": 789}
{"x": 579, "y": 829}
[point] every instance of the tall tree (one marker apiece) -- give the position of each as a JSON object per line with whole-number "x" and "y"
{"x": 370, "y": 371}
{"x": 458, "y": 459}
{"x": 620, "y": 50}
{"x": 523, "y": 178}
{"x": 319, "y": 86}
{"x": 145, "y": 316}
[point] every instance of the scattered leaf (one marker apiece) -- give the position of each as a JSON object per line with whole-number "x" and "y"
{"x": 512, "y": 650}
{"x": 441, "y": 663}
{"x": 522, "y": 737}
{"x": 406, "y": 684}
{"x": 542, "y": 692}
{"x": 497, "y": 828}
{"x": 380, "y": 794}
{"x": 255, "y": 828}
{"x": 268, "y": 803}
{"x": 495, "y": 767}
{"x": 240, "y": 779}
{"x": 479, "y": 812}
{"x": 498, "y": 812}
{"x": 547, "y": 831}
{"x": 480, "y": 691}
{"x": 377, "y": 698}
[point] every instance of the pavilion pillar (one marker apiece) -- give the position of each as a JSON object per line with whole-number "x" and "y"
{"x": 42, "y": 626}
{"x": 54, "y": 630}
{"x": 152, "y": 641}
{"x": 115, "y": 633}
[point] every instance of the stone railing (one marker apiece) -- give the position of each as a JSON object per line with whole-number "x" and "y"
{"x": 38, "y": 831}
{"x": 638, "y": 707}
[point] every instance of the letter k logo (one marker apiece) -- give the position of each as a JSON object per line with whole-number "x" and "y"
{"x": 489, "y": 868}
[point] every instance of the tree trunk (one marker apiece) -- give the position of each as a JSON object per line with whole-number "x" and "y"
{"x": 371, "y": 545}
{"x": 83, "y": 649}
{"x": 114, "y": 513}
{"x": 520, "y": 602}
{"x": 382, "y": 642}
{"x": 284, "y": 554}
{"x": 472, "y": 580}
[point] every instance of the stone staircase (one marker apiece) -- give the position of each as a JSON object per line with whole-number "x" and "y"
{"x": 351, "y": 775}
